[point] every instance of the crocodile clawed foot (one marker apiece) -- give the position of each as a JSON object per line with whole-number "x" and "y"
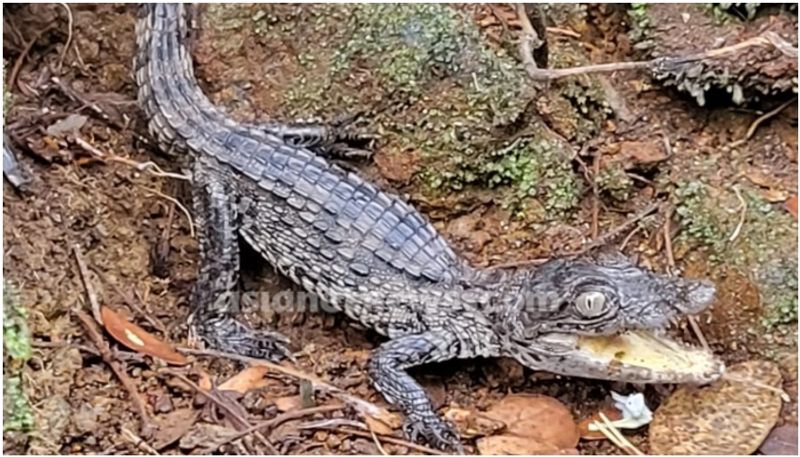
{"x": 230, "y": 335}
{"x": 434, "y": 431}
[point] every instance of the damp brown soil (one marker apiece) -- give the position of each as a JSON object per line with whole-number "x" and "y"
{"x": 649, "y": 143}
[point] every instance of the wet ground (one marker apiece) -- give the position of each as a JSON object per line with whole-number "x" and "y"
{"x": 508, "y": 171}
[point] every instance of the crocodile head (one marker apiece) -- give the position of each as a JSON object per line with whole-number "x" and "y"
{"x": 601, "y": 316}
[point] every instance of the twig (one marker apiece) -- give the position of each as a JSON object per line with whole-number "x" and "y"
{"x": 12, "y": 77}
{"x": 266, "y": 426}
{"x": 616, "y": 437}
{"x": 90, "y": 293}
{"x": 176, "y": 203}
{"x": 761, "y": 40}
{"x": 530, "y": 40}
{"x": 385, "y": 439}
{"x": 138, "y": 441}
{"x": 565, "y": 32}
{"x": 759, "y": 120}
{"x": 742, "y": 215}
{"x": 242, "y": 421}
{"x": 629, "y": 236}
{"x": 108, "y": 358}
{"x": 149, "y": 167}
{"x": 671, "y": 263}
{"x": 69, "y": 36}
{"x": 604, "y": 239}
{"x": 733, "y": 378}
{"x": 375, "y": 439}
{"x": 596, "y": 196}
{"x": 131, "y": 302}
{"x": 359, "y": 404}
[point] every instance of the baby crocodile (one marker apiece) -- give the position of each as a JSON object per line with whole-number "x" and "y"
{"x": 375, "y": 258}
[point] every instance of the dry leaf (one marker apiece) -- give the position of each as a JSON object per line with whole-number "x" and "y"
{"x": 791, "y": 205}
{"x": 518, "y": 445}
{"x": 205, "y": 380}
{"x": 759, "y": 178}
{"x": 470, "y": 423}
{"x": 138, "y": 339}
{"x": 378, "y": 426}
{"x": 774, "y": 195}
{"x": 173, "y": 426}
{"x": 248, "y": 379}
{"x": 289, "y": 403}
{"x": 539, "y": 417}
{"x": 780, "y": 441}
{"x": 203, "y": 438}
{"x": 727, "y": 417}
{"x": 611, "y": 413}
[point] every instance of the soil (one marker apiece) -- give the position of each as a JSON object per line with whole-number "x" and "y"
{"x": 643, "y": 141}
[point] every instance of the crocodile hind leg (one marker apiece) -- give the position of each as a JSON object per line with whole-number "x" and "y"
{"x": 387, "y": 369}
{"x": 214, "y": 297}
{"x": 337, "y": 140}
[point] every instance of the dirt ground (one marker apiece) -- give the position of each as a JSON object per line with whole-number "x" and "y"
{"x": 540, "y": 172}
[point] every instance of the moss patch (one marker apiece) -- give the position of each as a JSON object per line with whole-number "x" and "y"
{"x": 17, "y": 413}
{"x": 765, "y": 246}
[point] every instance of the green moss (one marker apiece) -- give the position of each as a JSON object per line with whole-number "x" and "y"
{"x": 613, "y": 181}
{"x": 17, "y": 412}
{"x": 16, "y": 337}
{"x": 765, "y": 245}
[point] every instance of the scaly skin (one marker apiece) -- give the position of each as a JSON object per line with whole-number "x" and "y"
{"x": 371, "y": 255}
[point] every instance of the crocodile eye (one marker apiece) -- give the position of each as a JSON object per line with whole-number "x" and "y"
{"x": 591, "y": 304}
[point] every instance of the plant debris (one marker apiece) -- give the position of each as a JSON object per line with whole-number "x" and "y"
{"x": 723, "y": 418}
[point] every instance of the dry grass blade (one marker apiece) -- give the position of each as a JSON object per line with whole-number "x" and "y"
{"x": 614, "y": 435}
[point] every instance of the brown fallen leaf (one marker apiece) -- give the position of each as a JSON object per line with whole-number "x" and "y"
{"x": 173, "y": 426}
{"x": 378, "y": 426}
{"x": 288, "y": 403}
{"x": 611, "y": 413}
{"x": 250, "y": 378}
{"x": 203, "y": 438}
{"x": 539, "y": 417}
{"x": 518, "y": 445}
{"x": 727, "y": 417}
{"x": 470, "y": 423}
{"x": 780, "y": 441}
{"x": 138, "y": 339}
{"x": 791, "y": 205}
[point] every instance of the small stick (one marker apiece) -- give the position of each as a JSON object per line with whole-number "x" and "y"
{"x": 90, "y": 293}
{"x": 359, "y": 404}
{"x": 69, "y": 36}
{"x": 617, "y": 230}
{"x": 671, "y": 263}
{"x": 618, "y": 438}
{"x": 138, "y": 441}
{"x": 761, "y": 40}
{"x": 375, "y": 439}
{"x": 530, "y": 40}
{"x": 243, "y": 422}
{"x": 629, "y": 236}
{"x": 759, "y": 120}
{"x": 266, "y": 426}
{"x": 130, "y": 301}
{"x": 565, "y": 32}
{"x": 742, "y": 215}
{"x": 108, "y": 358}
{"x": 596, "y": 196}
{"x": 178, "y": 204}
{"x": 733, "y": 378}
{"x": 12, "y": 77}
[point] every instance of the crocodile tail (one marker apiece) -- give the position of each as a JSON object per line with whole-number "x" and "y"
{"x": 175, "y": 107}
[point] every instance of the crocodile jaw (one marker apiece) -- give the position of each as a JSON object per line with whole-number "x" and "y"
{"x": 638, "y": 356}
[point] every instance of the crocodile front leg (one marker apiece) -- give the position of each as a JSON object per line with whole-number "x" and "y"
{"x": 387, "y": 369}
{"x": 214, "y": 297}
